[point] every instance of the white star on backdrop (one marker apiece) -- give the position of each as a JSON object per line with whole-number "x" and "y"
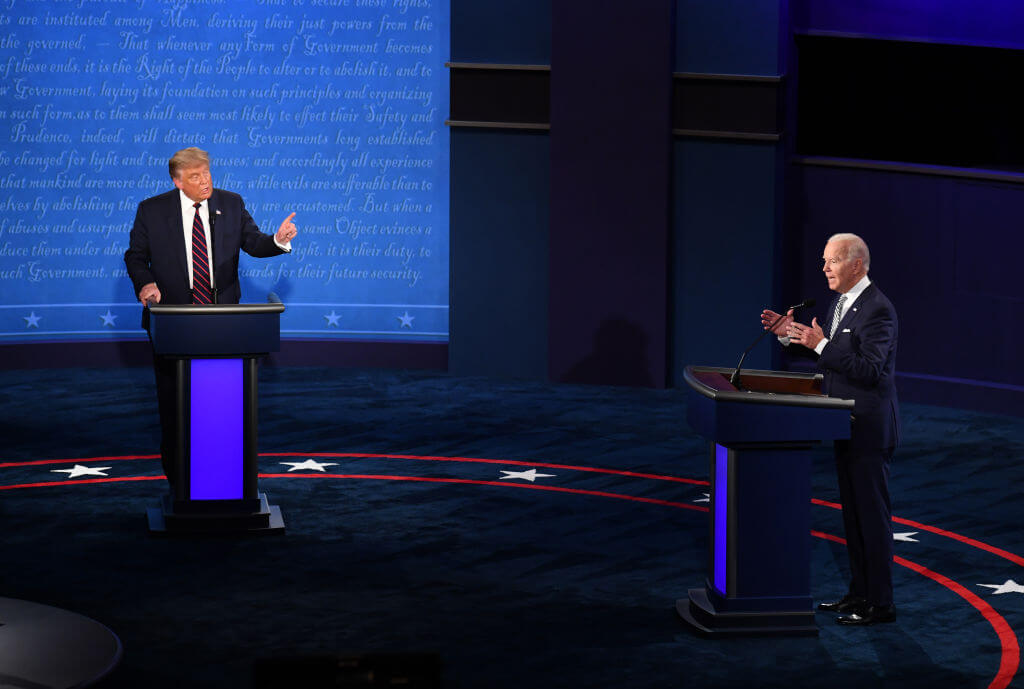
{"x": 406, "y": 320}
{"x": 905, "y": 537}
{"x": 32, "y": 320}
{"x": 80, "y": 470}
{"x": 332, "y": 319}
{"x": 1008, "y": 586}
{"x": 530, "y": 475}
{"x": 311, "y": 464}
{"x": 706, "y": 498}
{"x": 108, "y": 318}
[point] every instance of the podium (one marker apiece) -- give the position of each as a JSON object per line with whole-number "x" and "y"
{"x": 760, "y": 441}
{"x": 216, "y": 349}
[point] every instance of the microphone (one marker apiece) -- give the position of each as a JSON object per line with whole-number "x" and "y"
{"x": 735, "y": 377}
{"x": 272, "y": 298}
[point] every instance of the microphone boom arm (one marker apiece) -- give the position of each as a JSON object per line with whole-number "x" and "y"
{"x": 734, "y": 379}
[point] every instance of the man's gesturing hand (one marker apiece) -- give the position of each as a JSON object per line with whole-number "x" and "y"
{"x": 807, "y": 335}
{"x": 286, "y": 231}
{"x": 768, "y": 317}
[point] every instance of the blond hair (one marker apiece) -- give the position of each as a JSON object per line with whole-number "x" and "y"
{"x": 187, "y": 157}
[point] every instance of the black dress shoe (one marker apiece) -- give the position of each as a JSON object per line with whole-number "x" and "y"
{"x": 846, "y": 604}
{"x": 872, "y": 614}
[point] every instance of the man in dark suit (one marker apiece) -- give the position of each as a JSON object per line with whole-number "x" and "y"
{"x": 856, "y": 351}
{"x": 169, "y": 261}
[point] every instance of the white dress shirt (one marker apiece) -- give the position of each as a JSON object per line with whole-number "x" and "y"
{"x": 188, "y": 214}
{"x": 851, "y": 298}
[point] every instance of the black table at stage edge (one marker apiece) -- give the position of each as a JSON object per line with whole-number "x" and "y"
{"x": 760, "y": 441}
{"x": 42, "y": 646}
{"x": 216, "y": 348}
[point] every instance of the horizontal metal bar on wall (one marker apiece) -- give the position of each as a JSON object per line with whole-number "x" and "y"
{"x": 497, "y": 66}
{"x": 912, "y": 168}
{"x": 498, "y": 125}
{"x": 737, "y": 136}
{"x": 751, "y": 78}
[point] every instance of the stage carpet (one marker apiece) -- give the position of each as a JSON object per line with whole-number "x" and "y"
{"x": 524, "y": 534}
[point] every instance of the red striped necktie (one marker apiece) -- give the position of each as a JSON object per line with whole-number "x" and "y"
{"x": 202, "y": 293}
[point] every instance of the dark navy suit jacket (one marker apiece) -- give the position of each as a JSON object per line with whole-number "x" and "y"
{"x": 156, "y": 247}
{"x": 859, "y": 363}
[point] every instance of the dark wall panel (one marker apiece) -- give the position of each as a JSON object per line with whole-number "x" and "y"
{"x": 499, "y": 240}
{"x": 730, "y": 36}
{"x": 724, "y": 252}
{"x": 942, "y": 250}
{"x": 912, "y": 102}
{"x": 501, "y": 31}
{"x": 501, "y": 96}
{"x": 610, "y": 143}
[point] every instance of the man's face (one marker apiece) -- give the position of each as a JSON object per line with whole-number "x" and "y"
{"x": 195, "y": 182}
{"x": 841, "y": 272}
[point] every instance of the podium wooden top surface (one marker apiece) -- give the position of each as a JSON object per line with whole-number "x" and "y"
{"x": 762, "y": 387}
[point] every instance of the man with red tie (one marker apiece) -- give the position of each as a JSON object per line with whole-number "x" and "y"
{"x": 183, "y": 249}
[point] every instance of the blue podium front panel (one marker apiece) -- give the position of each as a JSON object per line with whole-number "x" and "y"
{"x": 720, "y": 516}
{"x": 217, "y": 429}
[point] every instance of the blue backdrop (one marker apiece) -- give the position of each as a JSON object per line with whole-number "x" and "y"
{"x": 333, "y": 109}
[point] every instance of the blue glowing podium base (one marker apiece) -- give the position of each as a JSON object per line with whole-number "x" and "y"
{"x": 760, "y": 439}
{"x": 216, "y": 349}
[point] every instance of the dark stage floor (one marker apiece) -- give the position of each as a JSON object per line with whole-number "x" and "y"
{"x": 530, "y": 535}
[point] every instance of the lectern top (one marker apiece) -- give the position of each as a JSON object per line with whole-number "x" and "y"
{"x": 763, "y": 387}
{"x": 216, "y": 329}
{"x": 215, "y": 309}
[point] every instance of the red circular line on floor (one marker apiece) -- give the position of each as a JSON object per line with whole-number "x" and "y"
{"x": 481, "y": 460}
{"x": 386, "y": 477}
{"x": 999, "y": 552}
{"x": 83, "y": 481}
{"x": 38, "y": 462}
{"x": 504, "y": 484}
{"x": 366, "y": 455}
{"x": 1009, "y": 658}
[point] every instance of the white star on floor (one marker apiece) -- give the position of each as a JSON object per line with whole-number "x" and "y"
{"x": 406, "y": 320}
{"x": 80, "y": 470}
{"x": 905, "y": 537}
{"x": 310, "y": 464}
{"x": 332, "y": 318}
{"x": 706, "y": 498}
{"x": 1008, "y": 586}
{"x": 530, "y": 475}
{"x": 32, "y": 320}
{"x": 108, "y": 318}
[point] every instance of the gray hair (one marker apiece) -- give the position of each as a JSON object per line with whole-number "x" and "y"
{"x": 187, "y": 157}
{"x": 853, "y": 247}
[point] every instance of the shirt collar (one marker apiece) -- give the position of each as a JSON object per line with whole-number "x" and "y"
{"x": 186, "y": 202}
{"x": 856, "y": 290}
